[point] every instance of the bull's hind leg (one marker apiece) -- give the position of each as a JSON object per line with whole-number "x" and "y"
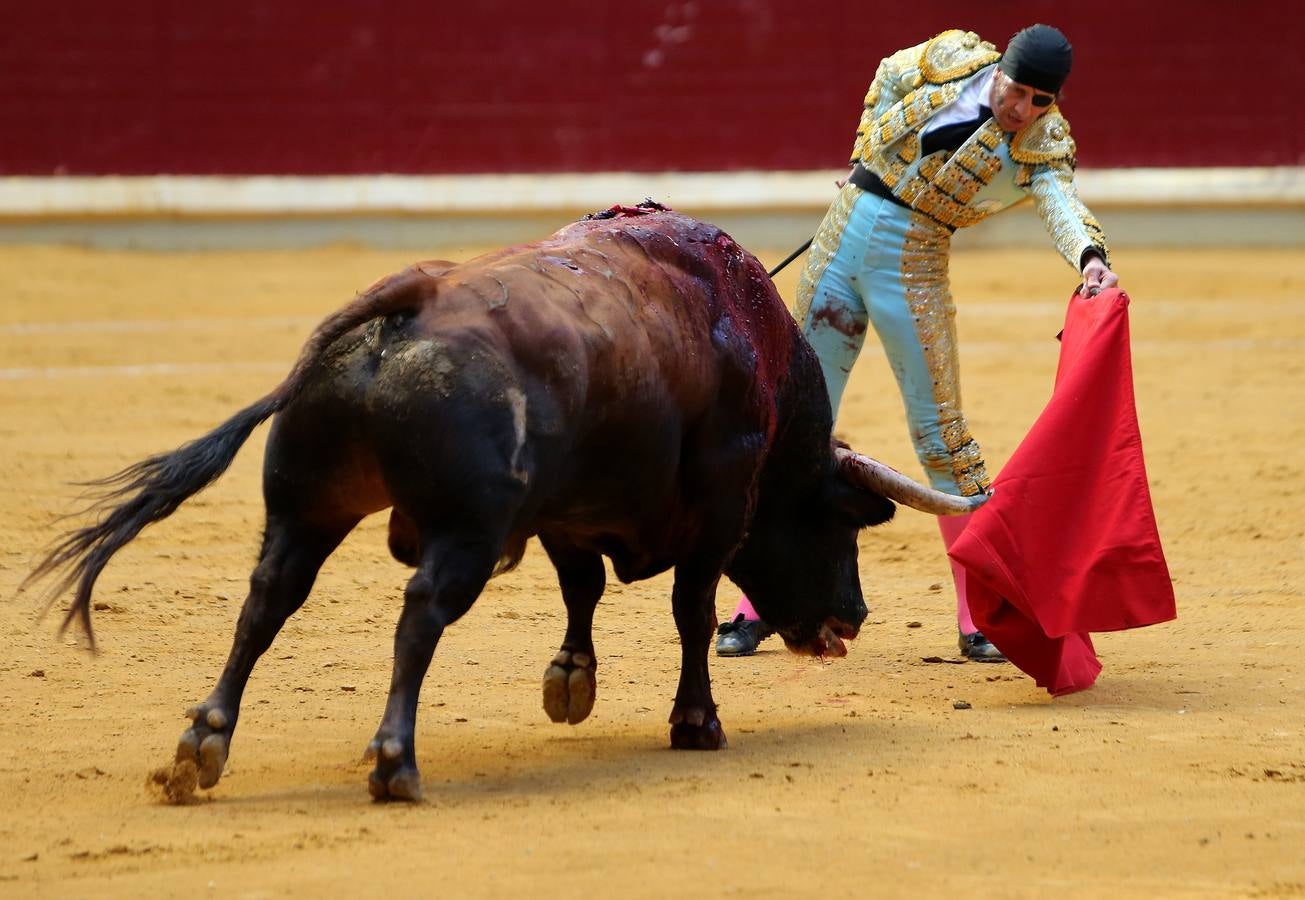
{"x": 451, "y": 572}
{"x": 287, "y": 566}
{"x": 570, "y": 681}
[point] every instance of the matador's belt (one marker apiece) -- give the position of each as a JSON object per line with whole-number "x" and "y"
{"x": 872, "y": 184}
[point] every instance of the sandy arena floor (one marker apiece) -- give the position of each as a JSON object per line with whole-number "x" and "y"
{"x": 1181, "y": 774}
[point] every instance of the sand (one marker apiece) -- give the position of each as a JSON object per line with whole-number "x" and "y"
{"x": 1181, "y": 774}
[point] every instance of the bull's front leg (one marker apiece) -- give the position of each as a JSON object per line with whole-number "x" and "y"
{"x": 571, "y": 679}
{"x": 694, "y": 725}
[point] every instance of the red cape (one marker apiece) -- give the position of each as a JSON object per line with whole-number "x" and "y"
{"x": 1068, "y": 543}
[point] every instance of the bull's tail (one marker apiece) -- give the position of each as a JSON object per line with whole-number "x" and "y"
{"x": 152, "y": 489}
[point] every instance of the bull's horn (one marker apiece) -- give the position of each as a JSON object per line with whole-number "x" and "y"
{"x": 872, "y": 474}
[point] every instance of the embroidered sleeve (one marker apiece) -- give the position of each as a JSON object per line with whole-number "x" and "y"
{"x": 1070, "y": 223}
{"x": 897, "y": 76}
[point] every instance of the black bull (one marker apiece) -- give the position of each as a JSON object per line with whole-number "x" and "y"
{"x": 632, "y": 387}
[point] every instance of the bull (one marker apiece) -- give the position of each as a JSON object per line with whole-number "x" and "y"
{"x": 632, "y": 387}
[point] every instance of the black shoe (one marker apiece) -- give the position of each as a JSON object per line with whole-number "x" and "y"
{"x": 978, "y": 648}
{"x": 741, "y": 637}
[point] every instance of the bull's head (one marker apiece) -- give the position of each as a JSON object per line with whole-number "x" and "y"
{"x": 798, "y": 563}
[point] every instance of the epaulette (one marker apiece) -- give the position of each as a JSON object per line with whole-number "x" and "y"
{"x": 1045, "y": 139}
{"x": 955, "y": 54}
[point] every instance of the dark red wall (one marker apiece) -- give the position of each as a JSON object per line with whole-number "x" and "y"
{"x": 304, "y": 87}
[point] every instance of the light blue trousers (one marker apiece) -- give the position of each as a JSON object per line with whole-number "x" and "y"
{"x": 873, "y": 262}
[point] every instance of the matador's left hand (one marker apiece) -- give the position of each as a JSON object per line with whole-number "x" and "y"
{"x": 1097, "y": 277}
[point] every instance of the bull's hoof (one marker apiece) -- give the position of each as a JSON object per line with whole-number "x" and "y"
{"x": 205, "y": 744}
{"x": 570, "y": 686}
{"x": 405, "y": 784}
{"x": 694, "y": 728}
{"x": 395, "y": 776}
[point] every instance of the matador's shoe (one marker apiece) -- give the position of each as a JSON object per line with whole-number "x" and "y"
{"x": 741, "y": 637}
{"x": 978, "y": 648}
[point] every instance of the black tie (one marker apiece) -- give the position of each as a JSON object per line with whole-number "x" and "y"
{"x": 950, "y": 137}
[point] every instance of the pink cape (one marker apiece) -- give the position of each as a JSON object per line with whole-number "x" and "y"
{"x": 1068, "y": 542}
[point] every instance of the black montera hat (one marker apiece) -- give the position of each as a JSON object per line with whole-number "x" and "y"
{"x": 1039, "y": 56}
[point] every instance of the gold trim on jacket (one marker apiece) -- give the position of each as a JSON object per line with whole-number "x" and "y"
{"x": 939, "y": 62}
{"x": 909, "y": 88}
{"x": 1045, "y": 139}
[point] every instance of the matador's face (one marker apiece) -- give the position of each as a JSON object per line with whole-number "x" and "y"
{"x": 1016, "y": 105}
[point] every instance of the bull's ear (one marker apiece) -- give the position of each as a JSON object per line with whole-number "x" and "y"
{"x": 859, "y": 505}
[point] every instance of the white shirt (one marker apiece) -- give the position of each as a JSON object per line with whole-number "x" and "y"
{"x": 966, "y": 106}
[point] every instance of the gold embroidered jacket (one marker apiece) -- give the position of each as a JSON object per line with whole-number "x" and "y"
{"x": 991, "y": 171}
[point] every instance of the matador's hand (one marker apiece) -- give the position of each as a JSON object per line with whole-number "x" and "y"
{"x": 1097, "y": 276}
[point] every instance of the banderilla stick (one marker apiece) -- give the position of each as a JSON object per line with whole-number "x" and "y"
{"x": 792, "y": 256}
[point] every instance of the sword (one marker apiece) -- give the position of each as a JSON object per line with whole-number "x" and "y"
{"x": 792, "y": 256}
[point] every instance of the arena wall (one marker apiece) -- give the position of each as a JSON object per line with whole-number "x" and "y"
{"x": 300, "y": 87}
{"x": 255, "y": 109}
